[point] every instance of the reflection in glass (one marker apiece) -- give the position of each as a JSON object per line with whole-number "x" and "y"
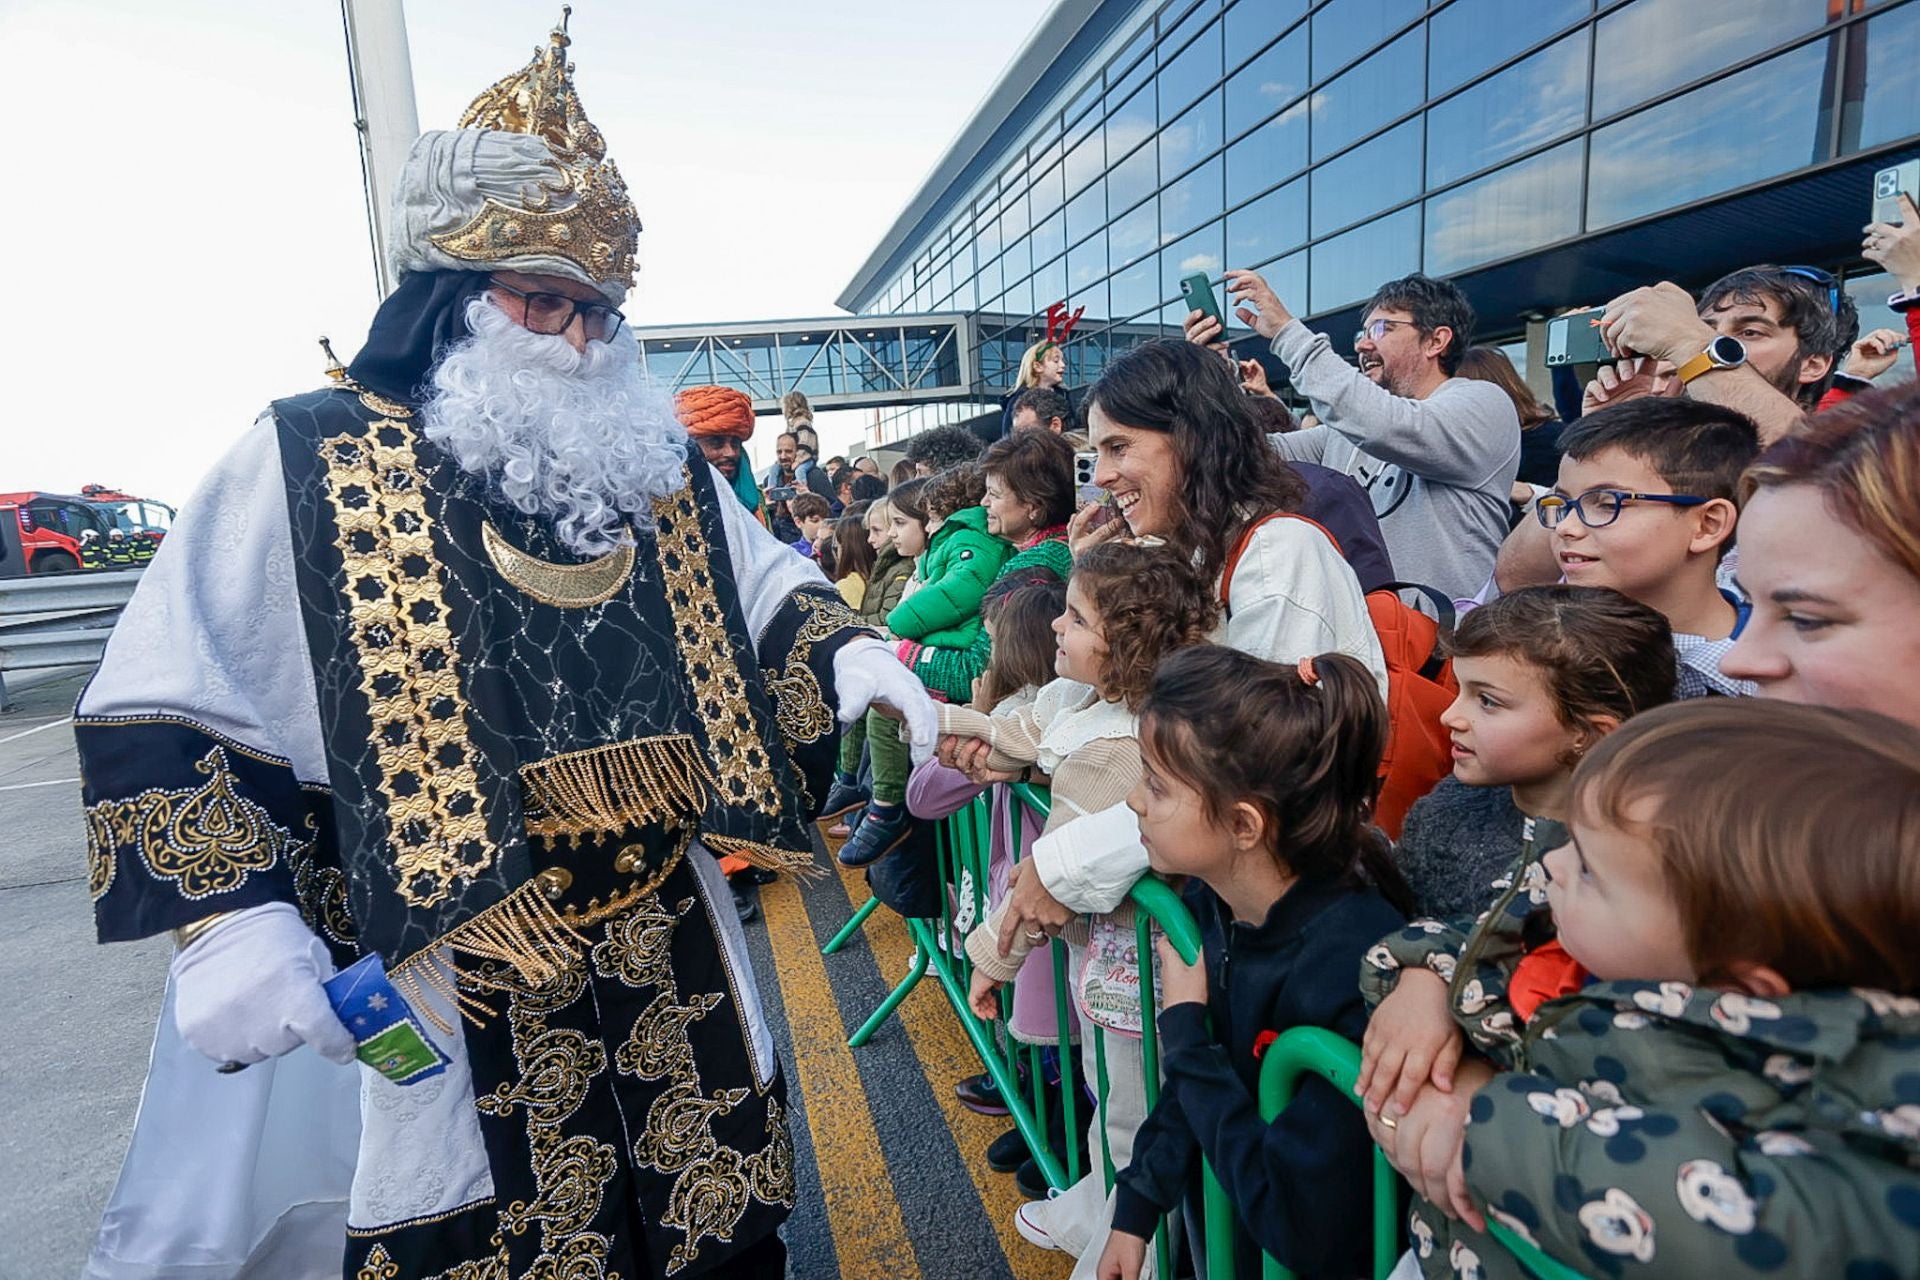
{"x": 1274, "y": 151}
{"x": 1192, "y": 200}
{"x": 1289, "y": 280}
{"x": 1046, "y": 196}
{"x": 1344, "y": 29}
{"x": 1193, "y": 71}
{"x": 1376, "y": 176}
{"x": 1204, "y": 250}
{"x": 1049, "y": 284}
{"x": 1252, "y": 23}
{"x": 1750, "y": 126}
{"x": 1891, "y": 106}
{"x": 1529, "y": 103}
{"x": 1468, "y": 36}
{"x": 1384, "y": 86}
{"x": 1137, "y": 288}
{"x": 1085, "y": 162}
{"x": 1087, "y": 262}
{"x": 1086, "y": 212}
{"x": 1655, "y": 45}
{"x": 1268, "y": 83}
{"x": 1135, "y": 232}
{"x": 1133, "y": 179}
{"x": 1049, "y": 239}
{"x": 1193, "y": 135}
{"x": 1276, "y": 221}
{"x": 1515, "y": 209}
{"x": 1132, "y": 123}
{"x": 1348, "y": 268}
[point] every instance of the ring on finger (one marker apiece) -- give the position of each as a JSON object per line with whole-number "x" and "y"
{"x": 1388, "y": 1122}
{"x": 1036, "y": 935}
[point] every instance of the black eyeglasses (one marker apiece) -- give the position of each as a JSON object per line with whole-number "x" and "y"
{"x": 1598, "y": 508}
{"x": 552, "y": 313}
{"x": 1825, "y": 279}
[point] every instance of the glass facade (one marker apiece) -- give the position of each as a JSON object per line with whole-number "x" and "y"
{"x": 1340, "y": 143}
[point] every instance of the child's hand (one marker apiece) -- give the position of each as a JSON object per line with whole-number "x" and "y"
{"x": 1123, "y": 1257}
{"x": 1410, "y": 1039}
{"x": 1425, "y": 1143}
{"x": 982, "y": 997}
{"x": 1180, "y": 982}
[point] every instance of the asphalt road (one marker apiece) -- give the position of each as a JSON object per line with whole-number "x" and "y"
{"x": 891, "y": 1176}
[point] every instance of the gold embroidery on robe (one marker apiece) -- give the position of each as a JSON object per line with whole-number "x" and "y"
{"x": 204, "y": 840}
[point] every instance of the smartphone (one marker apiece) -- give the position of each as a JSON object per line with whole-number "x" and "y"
{"x": 1198, "y": 291}
{"x": 1575, "y": 339}
{"x": 1084, "y": 464}
{"x": 1887, "y": 186}
{"x": 782, "y": 493}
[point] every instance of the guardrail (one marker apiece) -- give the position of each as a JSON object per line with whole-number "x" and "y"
{"x": 59, "y": 619}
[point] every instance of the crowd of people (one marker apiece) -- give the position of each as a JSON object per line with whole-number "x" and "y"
{"x": 1643, "y": 911}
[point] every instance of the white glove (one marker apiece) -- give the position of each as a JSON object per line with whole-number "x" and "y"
{"x": 249, "y": 989}
{"x": 865, "y": 672}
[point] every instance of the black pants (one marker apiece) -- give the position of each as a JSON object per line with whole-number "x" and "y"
{"x": 764, "y": 1261}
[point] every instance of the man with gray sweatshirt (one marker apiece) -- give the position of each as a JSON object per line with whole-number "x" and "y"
{"x": 1436, "y": 453}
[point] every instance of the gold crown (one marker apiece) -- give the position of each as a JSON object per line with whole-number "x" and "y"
{"x": 586, "y": 215}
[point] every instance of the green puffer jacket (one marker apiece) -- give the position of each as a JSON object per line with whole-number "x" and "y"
{"x": 1655, "y": 1129}
{"x": 953, "y": 671}
{"x": 955, "y": 571}
{"x": 885, "y": 586}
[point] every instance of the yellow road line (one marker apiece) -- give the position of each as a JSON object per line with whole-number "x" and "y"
{"x": 869, "y": 1235}
{"x": 945, "y": 1056}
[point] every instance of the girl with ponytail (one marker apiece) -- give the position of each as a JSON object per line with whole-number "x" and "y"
{"x": 1257, "y": 784}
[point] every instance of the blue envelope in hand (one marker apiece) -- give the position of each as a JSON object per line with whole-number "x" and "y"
{"x": 389, "y": 1034}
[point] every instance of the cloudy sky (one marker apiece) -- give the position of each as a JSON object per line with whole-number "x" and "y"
{"x": 187, "y": 216}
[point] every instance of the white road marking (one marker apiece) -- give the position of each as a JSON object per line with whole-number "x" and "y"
{"x": 56, "y": 782}
{"x": 52, "y": 724}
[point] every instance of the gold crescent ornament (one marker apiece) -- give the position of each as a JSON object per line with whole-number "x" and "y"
{"x": 564, "y": 586}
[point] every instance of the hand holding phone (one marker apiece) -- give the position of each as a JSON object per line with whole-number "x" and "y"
{"x": 1198, "y": 291}
{"x": 1575, "y": 339}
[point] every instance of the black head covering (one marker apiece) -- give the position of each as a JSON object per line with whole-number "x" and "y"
{"x": 418, "y": 321}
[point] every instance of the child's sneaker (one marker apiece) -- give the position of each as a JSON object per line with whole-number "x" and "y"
{"x": 844, "y": 795}
{"x": 1031, "y": 1222}
{"x": 879, "y": 835}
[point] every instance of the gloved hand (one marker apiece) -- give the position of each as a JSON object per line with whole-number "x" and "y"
{"x": 249, "y": 989}
{"x": 865, "y": 672}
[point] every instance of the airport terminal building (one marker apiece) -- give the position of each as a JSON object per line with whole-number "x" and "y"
{"x": 1542, "y": 153}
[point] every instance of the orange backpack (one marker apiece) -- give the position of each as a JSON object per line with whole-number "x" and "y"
{"x": 1420, "y": 684}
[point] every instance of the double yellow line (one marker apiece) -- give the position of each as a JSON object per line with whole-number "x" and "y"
{"x": 864, "y": 1201}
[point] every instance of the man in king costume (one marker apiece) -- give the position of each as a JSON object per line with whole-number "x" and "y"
{"x": 459, "y": 661}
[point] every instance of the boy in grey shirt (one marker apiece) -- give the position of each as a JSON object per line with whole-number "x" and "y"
{"x": 1438, "y": 454}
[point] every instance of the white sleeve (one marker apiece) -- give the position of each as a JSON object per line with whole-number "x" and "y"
{"x": 766, "y": 570}
{"x": 213, "y": 633}
{"x": 1091, "y": 862}
{"x": 1293, "y": 596}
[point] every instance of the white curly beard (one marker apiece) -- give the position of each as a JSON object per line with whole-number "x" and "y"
{"x": 579, "y": 437}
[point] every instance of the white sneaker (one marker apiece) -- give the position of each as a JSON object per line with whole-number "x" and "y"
{"x": 1030, "y": 1222}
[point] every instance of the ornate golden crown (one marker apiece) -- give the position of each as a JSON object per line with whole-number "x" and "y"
{"x": 586, "y": 215}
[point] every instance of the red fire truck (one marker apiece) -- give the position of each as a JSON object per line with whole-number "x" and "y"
{"x": 52, "y": 527}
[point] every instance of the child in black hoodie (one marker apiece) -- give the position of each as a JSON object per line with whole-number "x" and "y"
{"x": 1257, "y": 786}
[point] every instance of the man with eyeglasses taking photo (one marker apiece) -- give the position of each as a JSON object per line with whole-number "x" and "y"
{"x": 1436, "y": 453}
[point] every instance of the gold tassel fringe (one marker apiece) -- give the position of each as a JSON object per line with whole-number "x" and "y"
{"x": 525, "y": 932}
{"x": 764, "y": 856}
{"x": 607, "y": 789}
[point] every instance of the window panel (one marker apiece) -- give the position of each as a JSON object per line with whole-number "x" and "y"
{"x": 1890, "y": 106}
{"x": 1190, "y": 201}
{"x": 1527, "y": 104}
{"x": 1047, "y": 194}
{"x": 1504, "y": 213}
{"x": 1348, "y": 268}
{"x": 1085, "y": 162}
{"x": 1050, "y": 284}
{"x": 1190, "y": 138}
{"x": 1252, "y": 23}
{"x": 1050, "y": 238}
{"x": 1367, "y": 179}
{"x": 1086, "y": 212}
{"x": 1277, "y": 149}
{"x": 1275, "y": 222}
{"x": 1133, "y": 179}
{"x": 1468, "y": 36}
{"x": 1655, "y": 45}
{"x": 1087, "y": 263}
{"x": 1750, "y": 126}
{"x": 1135, "y": 232}
{"x": 1384, "y": 86}
{"x": 1137, "y": 288}
{"x": 1204, "y": 250}
{"x": 1288, "y": 279}
{"x": 1191, "y": 72}
{"x": 1266, "y": 84}
{"x": 1344, "y": 29}
{"x": 1131, "y": 122}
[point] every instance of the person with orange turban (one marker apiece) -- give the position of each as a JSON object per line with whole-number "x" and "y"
{"x": 720, "y": 421}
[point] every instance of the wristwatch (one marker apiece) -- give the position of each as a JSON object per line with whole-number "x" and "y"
{"x": 1724, "y": 352}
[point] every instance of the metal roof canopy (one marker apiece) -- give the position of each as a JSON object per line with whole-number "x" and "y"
{"x": 842, "y": 362}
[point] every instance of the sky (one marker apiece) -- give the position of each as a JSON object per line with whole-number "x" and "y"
{"x": 187, "y": 215}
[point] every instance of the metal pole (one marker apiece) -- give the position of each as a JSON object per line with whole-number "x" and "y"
{"x": 381, "y": 70}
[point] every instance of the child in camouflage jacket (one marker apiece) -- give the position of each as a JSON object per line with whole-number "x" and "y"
{"x": 1714, "y": 1068}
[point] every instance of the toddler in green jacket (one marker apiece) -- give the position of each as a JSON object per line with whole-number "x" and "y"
{"x": 1704, "y": 1059}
